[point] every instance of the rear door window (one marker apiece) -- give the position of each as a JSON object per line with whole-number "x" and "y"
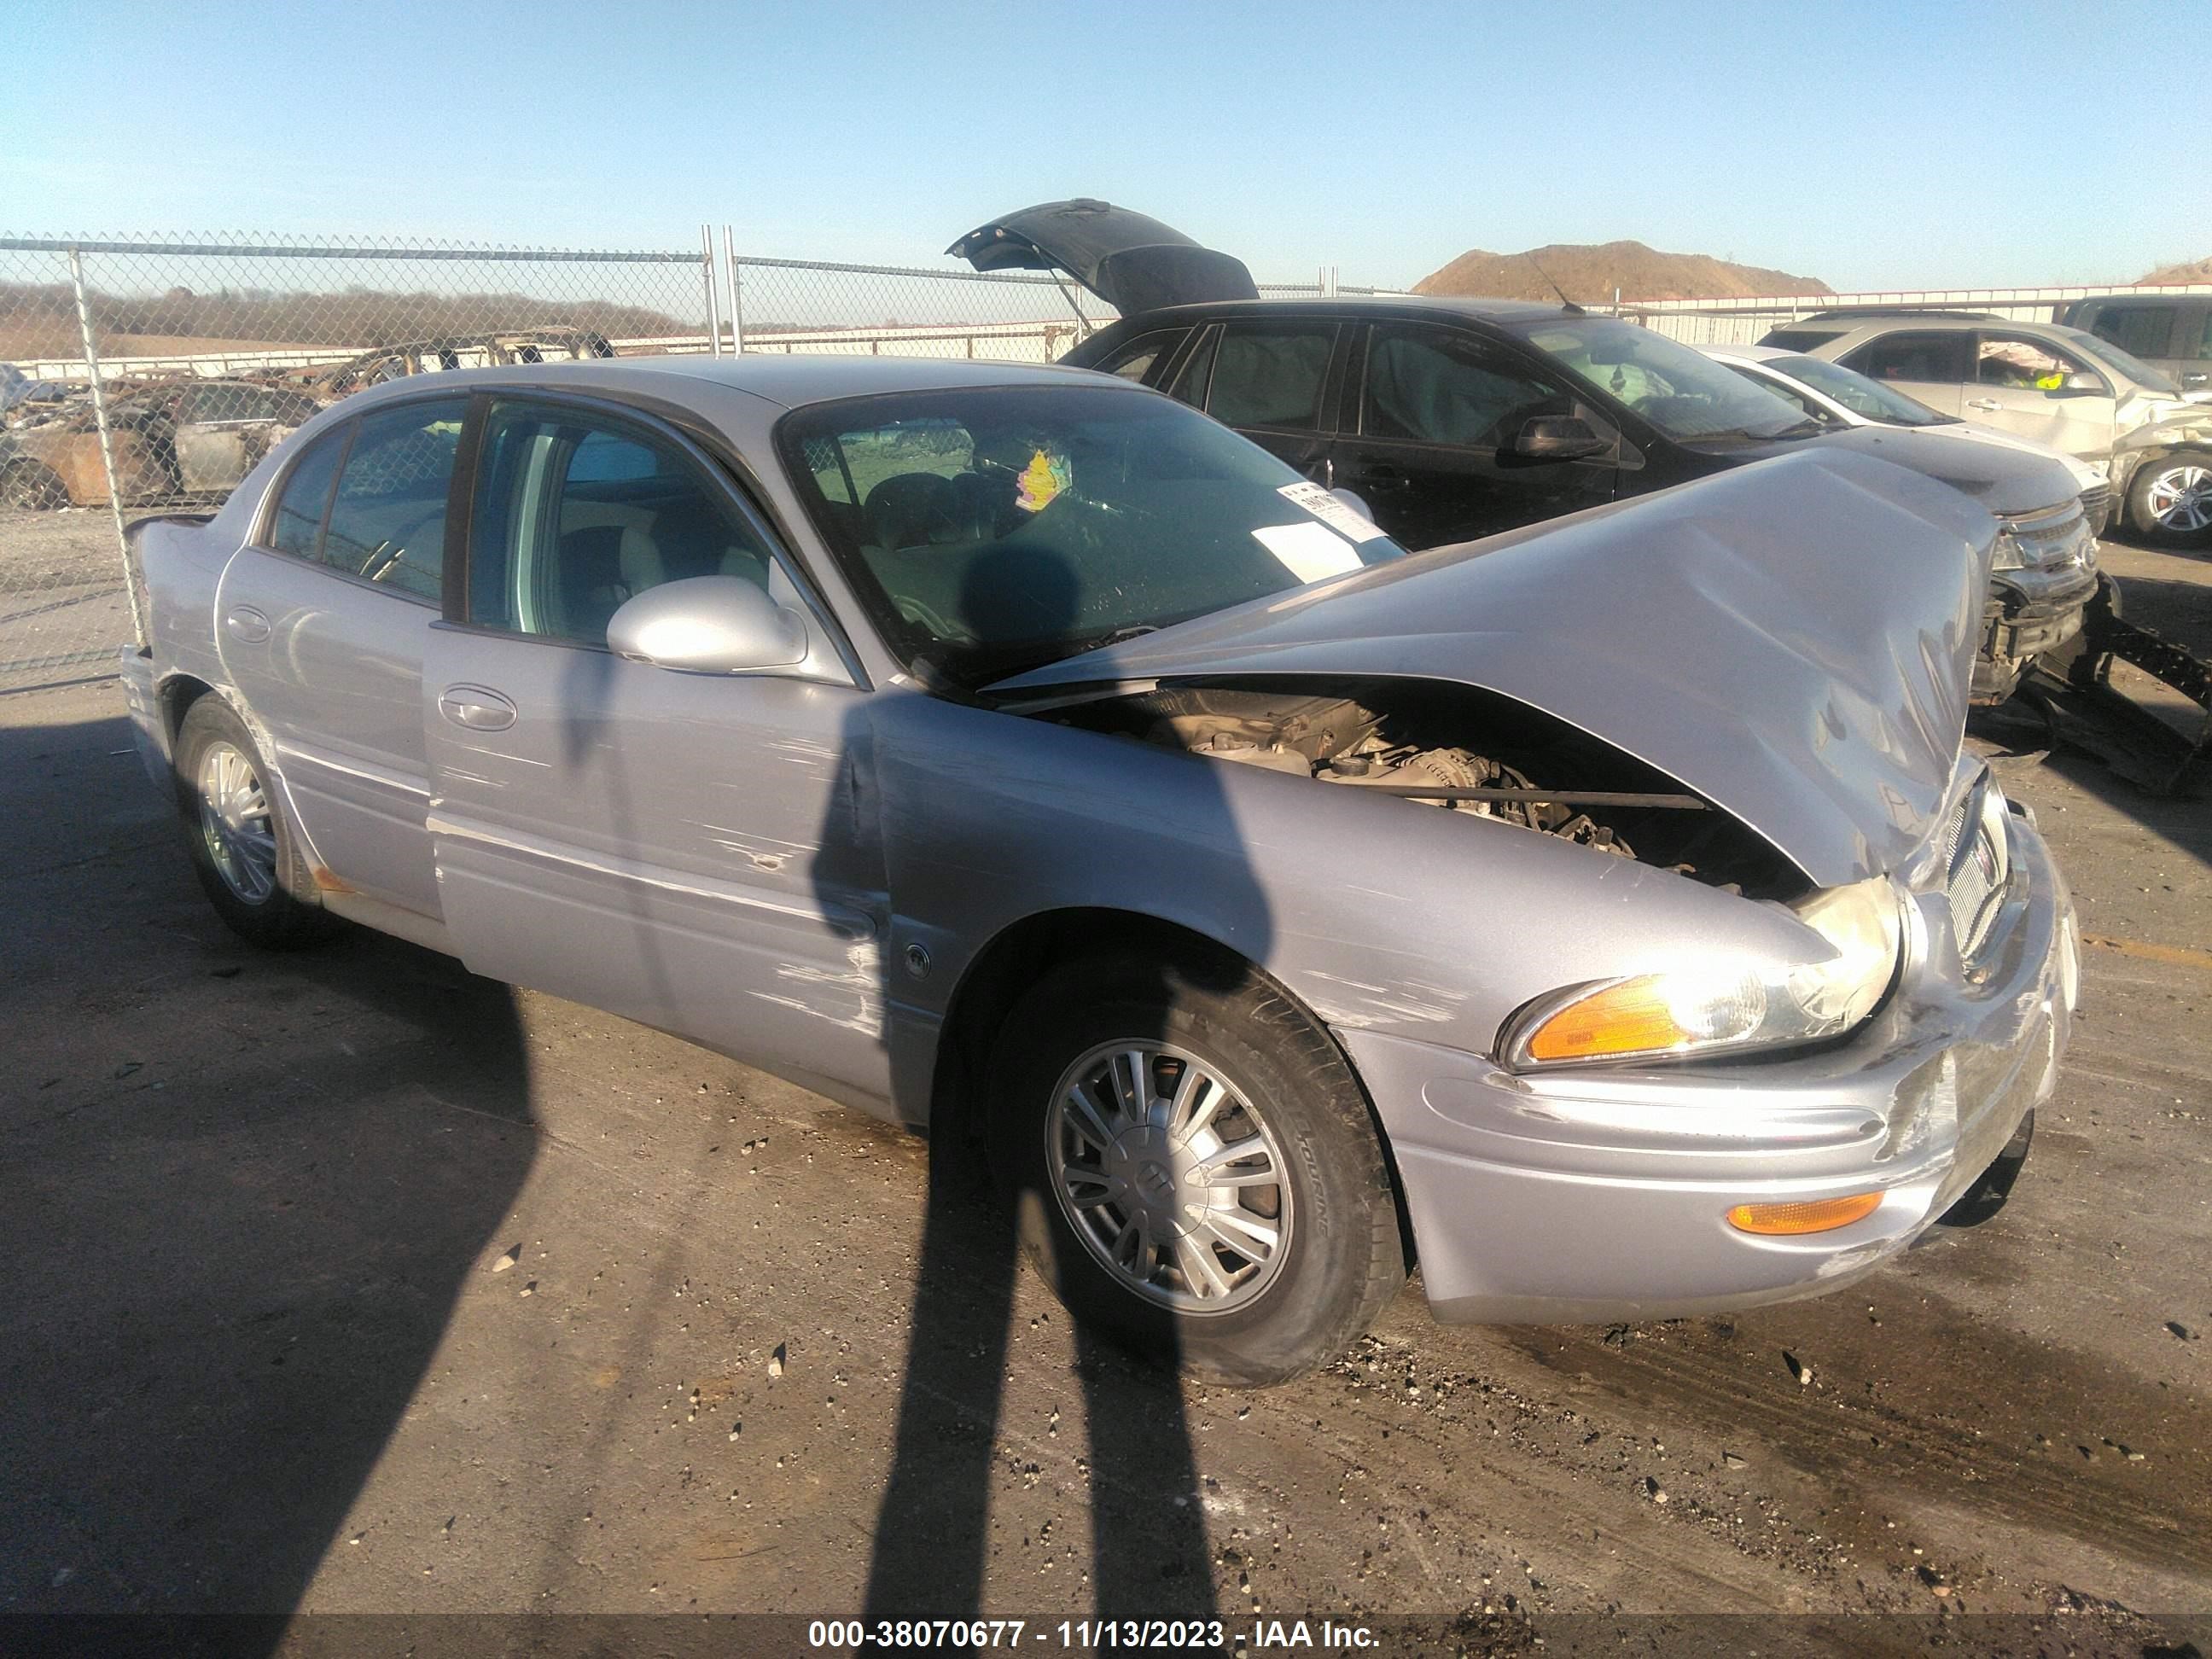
{"x": 1937, "y": 359}
{"x": 387, "y": 521}
{"x": 1270, "y": 374}
{"x": 1136, "y": 360}
{"x": 296, "y": 527}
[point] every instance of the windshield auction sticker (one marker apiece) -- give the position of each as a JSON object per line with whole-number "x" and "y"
{"x": 1309, "y": 551}
{"x": 1331, "y": 511}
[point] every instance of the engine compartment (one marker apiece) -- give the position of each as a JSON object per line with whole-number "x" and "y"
{"x": 1397, "y": 737}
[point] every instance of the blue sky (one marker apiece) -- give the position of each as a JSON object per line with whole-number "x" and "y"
{"x": 1881, "y": 145}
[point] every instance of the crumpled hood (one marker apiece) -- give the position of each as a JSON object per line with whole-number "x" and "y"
{"x": 2002, "y": 478}
{"x": 1792, "y": 639}
{"x": 1132, "y": 262}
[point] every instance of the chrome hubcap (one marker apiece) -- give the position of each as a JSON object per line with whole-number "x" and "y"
{"x": 1170, "y": 1176}
{"x": 234, "y": 822}
{"x": 2181, "y": 498}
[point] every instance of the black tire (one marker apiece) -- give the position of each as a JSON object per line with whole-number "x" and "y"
{"x": 28, "y": 483}
{"x": 1342, "y": 1258}
{"x": 2143, "y": 516}
{"x": 289, "y": 913}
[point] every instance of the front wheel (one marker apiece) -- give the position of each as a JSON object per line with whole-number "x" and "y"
{"x": 2172, "y": 497}
{"x": 1193, "y": 1167}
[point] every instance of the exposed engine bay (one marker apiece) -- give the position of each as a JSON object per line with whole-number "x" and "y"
{"x": 1486, "y": 755}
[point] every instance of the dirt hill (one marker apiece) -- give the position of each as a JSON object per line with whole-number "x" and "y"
{"x": 1589, "y": 271}
{"x": 2195, "y": 271}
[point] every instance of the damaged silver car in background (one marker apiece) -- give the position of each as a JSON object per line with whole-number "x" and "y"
{"x": 1603, "y": 916}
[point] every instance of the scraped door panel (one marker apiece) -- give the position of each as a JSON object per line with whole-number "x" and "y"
{"x": 332, "y": 670}
{"x": 684, "y": 850}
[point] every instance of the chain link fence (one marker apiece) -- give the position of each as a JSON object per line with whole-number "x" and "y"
{"x": 143, "y": 375}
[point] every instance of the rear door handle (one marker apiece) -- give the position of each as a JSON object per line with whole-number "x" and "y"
{"x": 476, "y": 708}
{"x": 1984, "y": 403}
{"x": 243, "y": 621}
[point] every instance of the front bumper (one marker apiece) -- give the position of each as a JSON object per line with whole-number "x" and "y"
{"x": 1601, "y": 1194}
{"x": 2029, "y": 613}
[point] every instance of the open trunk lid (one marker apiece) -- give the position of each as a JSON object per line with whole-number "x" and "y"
{"x": 1792, "y": 639}
{"x": 1132, "y": 262}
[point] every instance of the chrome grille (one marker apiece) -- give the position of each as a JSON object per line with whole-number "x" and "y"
{"x": 1977, "y": 864}
{"x": 2052, "y": 537}
{"x": 2096, "y": 501}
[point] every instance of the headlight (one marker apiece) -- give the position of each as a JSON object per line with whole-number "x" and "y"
{"x": 2007, "y": 555}
{"x": 1721, "y": 1007}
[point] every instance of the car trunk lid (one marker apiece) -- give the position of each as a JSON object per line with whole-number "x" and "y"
{"x": 1132, "y": 262}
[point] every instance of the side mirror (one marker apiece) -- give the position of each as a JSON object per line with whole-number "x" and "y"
{"x": 1557, "y": 438}
{"x": 2195, "y": 379}
{"x": 2078, "y": 383}
{"x": 709, "y": 625}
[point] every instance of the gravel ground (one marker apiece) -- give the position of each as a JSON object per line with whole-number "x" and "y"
{"x": 346, "y": 1282}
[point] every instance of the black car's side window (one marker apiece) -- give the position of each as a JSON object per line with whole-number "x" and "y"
{"x": 387, "y": 521}
{"x": 1270, "y": 374}
{"x": 296, "y": 526}
{"x": 2142, "y": 330}
{"x": 575, "y": 512}
{"x": 1431, "y": 385}
{"x": 1937, "y": 359}
{"x": 1136, "y": 359}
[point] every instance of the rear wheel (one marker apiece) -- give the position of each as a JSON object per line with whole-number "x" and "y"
{"x": 1193, "y": 1167}
{"x": 243, "y": 850}
{"x": 2172, "y": 497}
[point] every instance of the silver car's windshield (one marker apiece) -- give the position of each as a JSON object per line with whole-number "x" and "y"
{"x": 993, "y": 529}
{"x": 1685, "y": 393}
{"x": 2150, "y": 379}
{"x": 1855, "y": 392}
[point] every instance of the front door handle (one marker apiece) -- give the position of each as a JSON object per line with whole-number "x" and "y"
{"x": 243, "y": 621}
{"x": 1989, "y": 403}
{"x": 476, "y": 708}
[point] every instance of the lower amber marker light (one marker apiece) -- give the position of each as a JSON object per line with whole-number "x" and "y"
{"x": 1821, "y": 1215}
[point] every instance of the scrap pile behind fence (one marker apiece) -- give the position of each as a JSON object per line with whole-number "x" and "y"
{"x": 144, "y": 374}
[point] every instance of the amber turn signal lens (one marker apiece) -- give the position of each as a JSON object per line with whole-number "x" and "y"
{"x": 1629, "y": 1018}
{"x": 1822, "y": 1215}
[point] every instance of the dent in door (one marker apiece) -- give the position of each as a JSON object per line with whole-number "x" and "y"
{"x": 686, "y": 850}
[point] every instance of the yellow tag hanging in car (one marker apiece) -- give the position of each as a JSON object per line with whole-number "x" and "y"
{"x": 1043, "y": 478}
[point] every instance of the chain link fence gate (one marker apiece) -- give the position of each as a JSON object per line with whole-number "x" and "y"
{"x": 139, "y": 375}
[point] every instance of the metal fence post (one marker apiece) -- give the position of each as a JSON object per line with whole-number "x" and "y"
{"x": 736, "y": 301}
{"x": 106, "y": 443}
{"x": 706, "y": 276}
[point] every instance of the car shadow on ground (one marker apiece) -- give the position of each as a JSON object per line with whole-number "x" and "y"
{"x": 933, "y": 1541}
{"x": 235, "y": 1249}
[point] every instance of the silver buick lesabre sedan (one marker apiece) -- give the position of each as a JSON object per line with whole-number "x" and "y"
{"x": 1603, "y": 916}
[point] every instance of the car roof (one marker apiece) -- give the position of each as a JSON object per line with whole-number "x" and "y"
{"x": 786, "y": 380}
{"x": 1419, "y": 304}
